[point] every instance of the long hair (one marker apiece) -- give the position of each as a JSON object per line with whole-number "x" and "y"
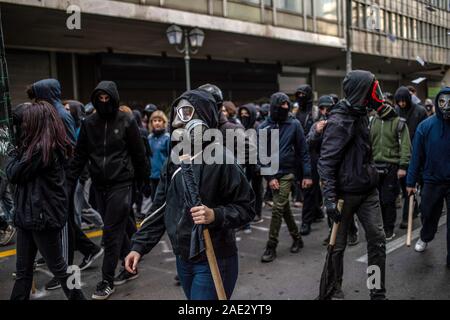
{"x": 43, "y": 131}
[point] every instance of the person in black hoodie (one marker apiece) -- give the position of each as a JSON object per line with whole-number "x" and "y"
{"x": 348, "y": 173}
{"x": 111, "y": 144}
{"x": 248, "y": 117}
{"x": 36, "y": 167}
{"x": 311, "y": 209}
{"x": 414, "y": 114}
{"x": 294, "y": 165}
{"x": 228, "y": 203}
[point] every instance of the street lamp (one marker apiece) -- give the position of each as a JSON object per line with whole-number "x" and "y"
{"x": 193, "y": 40}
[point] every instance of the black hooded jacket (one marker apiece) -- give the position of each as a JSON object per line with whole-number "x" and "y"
{"x": 40, "y": 196}
{"x": 305, "y": 108}
{"x": 252, "y": 121}
{"x": 113, "y": 148}
{"x": 345, "y": 164}
{"x": 293, "y": 154}
{"x": 414, "y": 114}
{"x": 223, "y": 187}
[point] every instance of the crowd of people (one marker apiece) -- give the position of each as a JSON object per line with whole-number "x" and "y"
{"x": 104, "y": 165}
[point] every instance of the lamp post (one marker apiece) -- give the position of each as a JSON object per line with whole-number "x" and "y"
{"x": 193, "y": 39}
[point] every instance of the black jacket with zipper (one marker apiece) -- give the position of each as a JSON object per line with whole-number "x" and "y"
{"x": 223, "y": 188}
{"x": 346, "y": 163}
{"x": 112, "y": 148}
{"x": 40, "y": 197}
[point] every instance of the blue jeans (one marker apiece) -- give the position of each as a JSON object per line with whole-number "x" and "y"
{"x": 197, "y": 281}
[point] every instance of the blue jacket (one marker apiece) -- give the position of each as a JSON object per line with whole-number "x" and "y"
{"x": 431, "y": 149}
{"x": 159, "y": 144}
{"x": 50, "y": 91}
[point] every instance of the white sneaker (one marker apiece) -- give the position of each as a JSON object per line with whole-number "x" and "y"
{"x": 420, "y": 246}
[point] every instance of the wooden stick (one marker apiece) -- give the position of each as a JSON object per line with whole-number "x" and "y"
{"x": 33, "y": 287}
{"x": 212, "y": 261}
{"x": 410, "y": 220}
{"x": 334, "y": 232}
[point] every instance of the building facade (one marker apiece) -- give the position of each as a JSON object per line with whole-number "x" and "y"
{"x": 252, "y": 48}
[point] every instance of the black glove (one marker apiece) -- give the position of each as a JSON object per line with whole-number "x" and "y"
{"x": 332, "y": 210}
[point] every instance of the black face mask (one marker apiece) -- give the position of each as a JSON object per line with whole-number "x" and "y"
{"x": 245, "y": 122}
{"x": 302, "y": 101}
{"x": 105, "y": 109}
{"x": 279, "y": 114}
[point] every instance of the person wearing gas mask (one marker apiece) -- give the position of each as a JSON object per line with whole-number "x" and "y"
{"x": 431, "y": 153}
{"x": 237, "y": 130}
{"x": 391, "y": 152}
{"x": 227, "y": 203}
{"x": 348, "y": 173}
{"x": 294, "y": 165}
{"x": 414, "y": 115}
{"x": 111, "y": 145}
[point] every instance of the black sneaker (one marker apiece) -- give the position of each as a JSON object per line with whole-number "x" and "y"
{"x": 53, "y": 284}
{"x": 297, "y": 245}
{"x": 389, "y": 235}
{"x": 40, "y": 262}
{"x": 89, "y": 260}
{"x": 305, "y": 229}
{"x": 338, "y": 294}
{"x": 269, "y": 255}
{"x": 124, "y": 277}
{"x": 177, "y": 280}
{"x": 257, "y": 220}
{"x": 104, "y": 290}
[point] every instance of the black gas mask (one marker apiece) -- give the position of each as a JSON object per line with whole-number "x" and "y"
{"x": 375, "y": 97}
{"x": 187, "y": 124}
{"x": 444, "y": 105}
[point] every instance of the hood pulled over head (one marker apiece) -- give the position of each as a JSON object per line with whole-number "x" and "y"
{"x": 277, "y": 113}
{"x": 110, "y": 108}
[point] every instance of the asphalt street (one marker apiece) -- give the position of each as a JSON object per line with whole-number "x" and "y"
{"x": 410, "y": 275}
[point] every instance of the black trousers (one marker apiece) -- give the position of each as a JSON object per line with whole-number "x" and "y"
{"x": 78, "y": 241}
{"x": 367, "y": 208}
{"x": 3, "y": 224}
{"x": 388, "y": 187}
{"x": 432, "y": 203}
{"x": 312, "y": 202}
{"x": 256, "y": 181}
{"x": 114, "y": 205}
{"x": 49, "y": 245}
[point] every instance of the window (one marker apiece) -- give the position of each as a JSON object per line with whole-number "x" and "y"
{"x": 290, "y": 5}
{"x": 326, "y": 9}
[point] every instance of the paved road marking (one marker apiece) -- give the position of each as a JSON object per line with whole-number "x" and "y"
{"x": 400, "y": 242}
{"x": 260, "y": 228}
{"x": 12, "y": 252}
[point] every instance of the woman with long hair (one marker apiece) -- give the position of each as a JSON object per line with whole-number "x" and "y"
{"x": 41, "y": 201}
